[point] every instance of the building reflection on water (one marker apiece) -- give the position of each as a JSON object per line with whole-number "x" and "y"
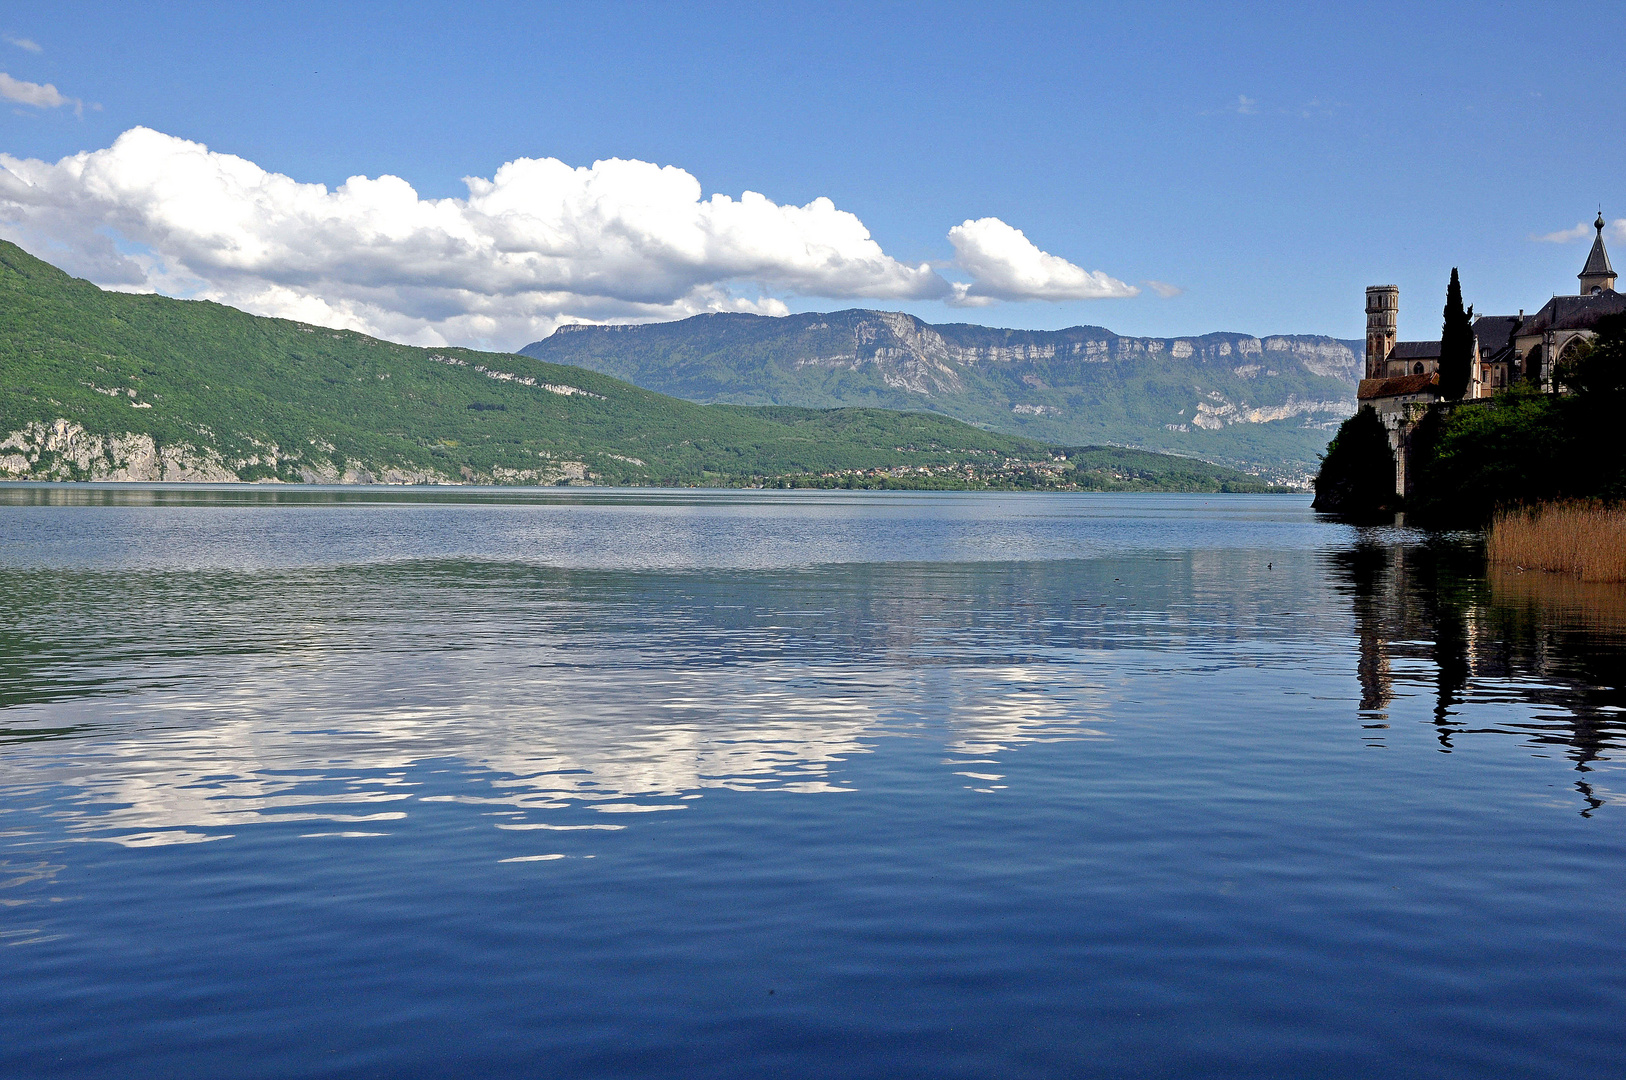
{"x": 1505, "y": 651}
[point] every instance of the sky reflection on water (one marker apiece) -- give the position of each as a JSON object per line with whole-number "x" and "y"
{"x": 1010, "y": 784}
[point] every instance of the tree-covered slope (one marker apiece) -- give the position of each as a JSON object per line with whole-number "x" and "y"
{"x": 1269, "y": 402}
{"x": 97, "y": 384}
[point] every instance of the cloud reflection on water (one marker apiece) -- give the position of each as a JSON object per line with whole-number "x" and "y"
{"x": 220, "y": 703}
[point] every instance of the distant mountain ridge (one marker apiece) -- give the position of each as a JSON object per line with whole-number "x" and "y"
{"x": 1260, "y": 401}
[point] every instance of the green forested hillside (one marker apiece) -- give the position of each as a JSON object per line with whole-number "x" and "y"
{"x": 97, "y": 384}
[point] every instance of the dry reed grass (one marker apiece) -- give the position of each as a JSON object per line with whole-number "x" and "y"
{"x": 1587, "y": 539}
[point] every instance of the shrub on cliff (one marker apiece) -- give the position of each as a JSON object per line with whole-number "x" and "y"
{"x": 1472, "y": 460}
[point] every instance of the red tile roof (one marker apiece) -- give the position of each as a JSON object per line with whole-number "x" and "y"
{"x": 1400, "y": 384}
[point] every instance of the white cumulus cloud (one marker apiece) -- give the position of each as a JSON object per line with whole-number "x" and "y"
{"x": 1583, "y": 231}
{"x": 538, "y": 244}
{"x": 24, "y": 43}
{"x": 1006, "y": 265}
{"x": 1564, "y": 236}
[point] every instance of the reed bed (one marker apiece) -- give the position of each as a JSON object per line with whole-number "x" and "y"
{"x": 1586, "y": 539}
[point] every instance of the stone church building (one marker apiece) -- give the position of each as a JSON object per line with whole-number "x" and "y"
{"x": 1403, "y": 377}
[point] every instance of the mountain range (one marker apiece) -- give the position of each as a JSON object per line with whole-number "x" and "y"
{"x": 1266, "y": 403}
{"x": 99, "y": 385}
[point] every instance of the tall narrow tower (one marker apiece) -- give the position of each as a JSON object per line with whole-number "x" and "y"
{"x": 1382, "y": 323}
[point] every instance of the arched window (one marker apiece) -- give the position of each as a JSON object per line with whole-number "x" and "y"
{"x": 1418, "y": 368}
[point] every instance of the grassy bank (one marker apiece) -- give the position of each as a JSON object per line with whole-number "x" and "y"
{"x": 1584, "y": 539}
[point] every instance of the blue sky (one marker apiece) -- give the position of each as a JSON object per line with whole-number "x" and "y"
{"x": 1268, "y": 161}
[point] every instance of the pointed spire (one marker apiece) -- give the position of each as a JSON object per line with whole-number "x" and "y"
{"x": 1597, "y": 274}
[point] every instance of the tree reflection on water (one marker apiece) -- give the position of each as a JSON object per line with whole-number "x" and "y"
{"x": 1431, "y": 617}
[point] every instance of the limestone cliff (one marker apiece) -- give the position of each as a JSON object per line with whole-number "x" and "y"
{"x": 64, "y": 450}
{"x": 1270, "y": 401}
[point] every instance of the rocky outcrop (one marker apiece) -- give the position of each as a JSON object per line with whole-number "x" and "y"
{"x": 509, "y": 376}
{"x": 907, "y": 354}
{"x": 1216, "y": 412}
{"x": 322, "y": 472}
{"x": 1320, "y": 356}
{"x": 64, "y": 450}
{"x": 563, "y": 472}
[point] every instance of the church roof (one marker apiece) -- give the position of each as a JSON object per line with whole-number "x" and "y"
{"x": 1574, "y": 312}
{"x": 1415, "y": 350}
{"x": 1597, "y": 263}
{"x": 1400, "y": 384}
{"x": 1492, "y": 331}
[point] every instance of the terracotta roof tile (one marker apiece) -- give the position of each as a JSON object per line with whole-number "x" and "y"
{"x": 1395, "y": 387}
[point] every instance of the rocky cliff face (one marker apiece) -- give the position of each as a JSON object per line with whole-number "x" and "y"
{"x": 898, "y": 343}
{"x": 1082, "y": 384}
{"x": 64, "y": 450}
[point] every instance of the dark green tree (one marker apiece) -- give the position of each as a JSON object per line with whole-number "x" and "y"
{"x": 1596, "y": 376}
{"x": 1597, "y": 371}
{"x": 1518, "y": 449}
{"x": 1357, "y": 477}
{"x": 1456, "y": 343}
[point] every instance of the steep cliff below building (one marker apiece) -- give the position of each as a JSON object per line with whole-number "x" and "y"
{"x": 1268, "y": 402}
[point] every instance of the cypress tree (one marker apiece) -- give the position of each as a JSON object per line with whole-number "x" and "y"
{"x": 1456, "y": 343}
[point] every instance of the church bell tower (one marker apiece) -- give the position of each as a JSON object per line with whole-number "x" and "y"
{"x": 1597, "y": 275}
{"x": 1382, "y": 323}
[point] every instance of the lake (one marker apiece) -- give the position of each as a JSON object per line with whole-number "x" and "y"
{"x": 586, "y": 783}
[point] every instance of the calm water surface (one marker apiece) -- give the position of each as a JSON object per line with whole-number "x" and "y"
{"x": 597, "y": 784}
